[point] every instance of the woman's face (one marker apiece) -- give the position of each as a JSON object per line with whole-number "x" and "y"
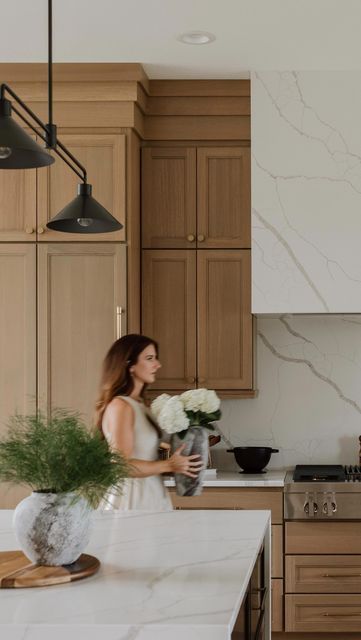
{"x": 146, "y": 366}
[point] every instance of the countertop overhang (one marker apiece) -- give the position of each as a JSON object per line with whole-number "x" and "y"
{"x": 172, "y": 574}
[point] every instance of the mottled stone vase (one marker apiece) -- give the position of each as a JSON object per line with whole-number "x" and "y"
{"x": 52, "y": 528}
{"x": 196, "y": 442}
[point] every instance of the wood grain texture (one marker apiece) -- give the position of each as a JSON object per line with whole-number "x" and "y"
{"x": 323, "y": 537}
{"x": 200, "y": 88}
{"x": 341, "y": 612}
{"x": 277, "y": 604}
{"x": 16, "y": 571}
{"x": 323, "y": 574}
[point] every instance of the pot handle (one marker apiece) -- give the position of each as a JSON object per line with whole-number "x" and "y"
{"x": 275, "y": 450}
{"x": 230, "y": 450}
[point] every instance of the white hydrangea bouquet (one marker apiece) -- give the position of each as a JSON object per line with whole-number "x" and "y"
{"x": 196, "y": 408}
{"x": 186, "y": 418}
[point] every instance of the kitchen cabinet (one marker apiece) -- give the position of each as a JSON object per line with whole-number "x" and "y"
{"x": 249, "y": 498}
{"x": 51, "y": 354}
{"x": 196, "y": 304}
{"x": 196, "y": 197}
{"x": 103, "y": 156}
{"x": 18, "y": 205}
{"x": 323, "y": 586}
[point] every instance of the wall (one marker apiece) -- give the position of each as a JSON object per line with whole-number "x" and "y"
{"x": 306, "y": 192}
{"x": 309, "y": 403}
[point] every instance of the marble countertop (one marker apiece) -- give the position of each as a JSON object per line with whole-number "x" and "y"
{"x": 234, "y": 479}
{"x": 163, "y": 575}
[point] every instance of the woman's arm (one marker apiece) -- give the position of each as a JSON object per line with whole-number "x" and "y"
{"x": 119, "y": 431}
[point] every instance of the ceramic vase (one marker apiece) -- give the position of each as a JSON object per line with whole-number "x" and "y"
{"x": 196, "y": 442}
{"x": 52, "y": 528}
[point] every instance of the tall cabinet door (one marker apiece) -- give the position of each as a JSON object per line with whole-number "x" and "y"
{"x": 103, "y": 155}
{"x": 18, "y": 205}
{"x": 224, "y": 319}
{"x": 169, "y": 314}
{"x": 82, "y": 289}
{"x": 224, "y": 197}
{"x": 168, "y": 198}
{"x": 17, "y": 342}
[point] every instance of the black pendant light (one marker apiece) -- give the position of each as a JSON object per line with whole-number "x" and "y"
{"x": 19, "y": 151}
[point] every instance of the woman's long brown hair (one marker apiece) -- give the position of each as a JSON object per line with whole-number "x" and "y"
{"x": 116, "y": 379}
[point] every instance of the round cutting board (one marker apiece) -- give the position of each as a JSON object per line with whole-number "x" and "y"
{"x": 16, "y": 571}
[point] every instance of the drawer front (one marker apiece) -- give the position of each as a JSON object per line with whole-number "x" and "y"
{"x": 277, "y": 604}
{"x": 277, "y": 551}
{"x": 323, "y": 574}
{"x": 323, "y": 613}
{"x": 323, "y": 537}
{"x": 228, "y": 498}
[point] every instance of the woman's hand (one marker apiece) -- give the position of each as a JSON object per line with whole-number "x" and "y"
{"x": 187, "y": 465}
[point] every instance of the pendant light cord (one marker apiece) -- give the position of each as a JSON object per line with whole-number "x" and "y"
{"x": 50, "y": 61}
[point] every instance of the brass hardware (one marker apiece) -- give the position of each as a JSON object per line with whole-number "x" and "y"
{"x": 191, "y": 380}
{"x": 29, "y": 230}
{"x": 340, "y": 615}
{"x": 341, "y": 575}
{"x": 119, "y": 322}
{"x": 191, "y": 237}
{"x": 40, "y": 229}
{"x": 201, "y": 237}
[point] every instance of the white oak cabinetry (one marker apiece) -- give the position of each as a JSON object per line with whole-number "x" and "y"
{"x": 323, "y": 577}
{"x": 251, "y": 498}
{"x": 196, "y": 271}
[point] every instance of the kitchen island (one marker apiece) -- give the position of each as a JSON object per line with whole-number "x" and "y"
{"x": 170, "y": 575}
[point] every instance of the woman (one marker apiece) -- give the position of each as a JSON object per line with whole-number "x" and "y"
{"x": 129, "y": 366}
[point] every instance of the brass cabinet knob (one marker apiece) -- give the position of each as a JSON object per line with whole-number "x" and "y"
{"x": 40, "y": 229}
{"x": 191, "y": 237}
{"x": 201, "y": 237}
{"x": 29, "y": 230}
{"x": 191, "y": 380}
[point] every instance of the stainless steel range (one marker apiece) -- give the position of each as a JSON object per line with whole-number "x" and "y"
{"x": 319, "y": 492}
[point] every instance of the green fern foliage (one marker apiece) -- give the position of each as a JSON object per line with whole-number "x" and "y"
{"x": 58, "y": 455}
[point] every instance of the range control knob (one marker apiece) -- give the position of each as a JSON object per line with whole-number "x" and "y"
{"x": 310, "y": 506}
{"x": 329, "y": 506}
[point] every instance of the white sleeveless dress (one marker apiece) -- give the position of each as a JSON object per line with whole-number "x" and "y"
{"x": 143, "y": 494}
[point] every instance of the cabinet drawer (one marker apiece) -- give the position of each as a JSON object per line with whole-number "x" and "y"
{"x": 277, "y": 604}
{"x": 323, "y": 537}
{"x": 323, "y": 613}
{"x": 323, "y": 574}
{"x": 277, "y": 551}
{"x": 224, "y": 498}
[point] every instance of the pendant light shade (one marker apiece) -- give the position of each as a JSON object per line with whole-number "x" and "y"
{"x": 17, "y": 149}
{"x": 84, "y": 214}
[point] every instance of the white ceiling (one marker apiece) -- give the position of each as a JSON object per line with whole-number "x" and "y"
{"x": 250, "y": 34}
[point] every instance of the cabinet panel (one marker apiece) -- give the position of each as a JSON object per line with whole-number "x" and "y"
{"x": 224, "y": 327}
{"x": 277, "y": 604}
{"x": 323, "y": 574}
{"x": 18, "y": 205}
{"x": 80, "y": 288}
{"x": 168, "y": 197}
{"x": 17, "y": 342}
{"x": 104, "y": 159}
{"x": 324, "y": 613}
{"x": 226, "y": 498}
{"x": 169, "y": 314}
{"x": 323, "y": 537}
{"x": 277, "y": 551}
{"x": 224, "y": 197}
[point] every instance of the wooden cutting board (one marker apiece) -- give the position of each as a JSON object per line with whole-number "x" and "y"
{"x": 16, "y": 571}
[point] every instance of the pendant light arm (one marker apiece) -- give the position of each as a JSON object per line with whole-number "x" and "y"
{"x": 5, "y": 88}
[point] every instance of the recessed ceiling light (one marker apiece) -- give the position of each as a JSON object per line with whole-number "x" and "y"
{"x": 196, "y": 37}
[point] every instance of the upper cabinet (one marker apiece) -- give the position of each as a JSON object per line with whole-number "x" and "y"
{"x": 196, "y": 196}
{"x": 18, "y": 204}
{"x": 103, "y": 156}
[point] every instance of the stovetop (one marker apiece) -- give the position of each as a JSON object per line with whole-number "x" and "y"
{"x": 326, "y": 473}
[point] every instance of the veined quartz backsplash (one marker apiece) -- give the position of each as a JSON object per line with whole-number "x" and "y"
{"x": 309, "y": 402}
{"x": 306, "y": 192}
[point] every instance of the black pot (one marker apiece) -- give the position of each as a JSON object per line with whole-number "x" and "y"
{"x": 252, "y": 459}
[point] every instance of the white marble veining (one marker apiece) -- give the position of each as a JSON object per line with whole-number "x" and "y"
{"x": 306, "y": 192}
{"x": 272, "y": 478}
{"x": 309, "y": 401}
{"x": 172, "y": 574}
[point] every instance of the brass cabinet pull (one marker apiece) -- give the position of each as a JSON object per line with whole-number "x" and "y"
{"x": 29, "y": 230}
{"x": 40, "y": 229}
{"x": 341, "y": 575}
{"x": 191, "y": 380}
{"x": 119, "y": 322}
{"x": 191, "y": 237}
{"x": 340, "y": 615}
{"x": 201, "y": 237}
